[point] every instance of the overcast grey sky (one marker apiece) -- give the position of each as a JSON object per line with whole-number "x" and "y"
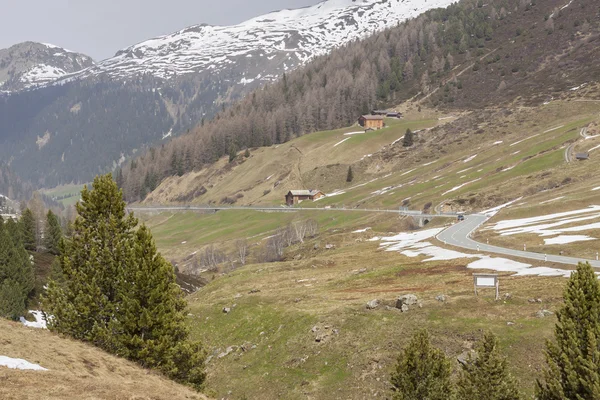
{"x": 99, "y": 28}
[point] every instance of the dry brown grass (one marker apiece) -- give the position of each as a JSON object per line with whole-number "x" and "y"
{"x": 325, "y": 288}
{"x": 76, "y": 371}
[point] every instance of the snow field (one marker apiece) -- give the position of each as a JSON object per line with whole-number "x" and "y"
{"x": 414, "y": 244}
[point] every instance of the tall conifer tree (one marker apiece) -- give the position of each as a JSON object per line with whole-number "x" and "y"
{"x": 486, "y": 377}
{"x": 28, "y": 230}
{"x": 573, "y": 358}
{"x": 350, "y": 175}
{"x": 53, "y": 233}
{"x": 16, "y": 274}
{"x": 408, "y": 138}
{"x": 118, "y": 292}
{"x": 422, "y": 372}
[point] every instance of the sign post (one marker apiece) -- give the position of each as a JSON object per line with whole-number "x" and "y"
{"x": 486, "y": 281}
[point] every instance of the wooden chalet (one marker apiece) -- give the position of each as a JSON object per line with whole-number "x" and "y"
{"x": 371, "y": 121}
{"x": 295, "y": 197}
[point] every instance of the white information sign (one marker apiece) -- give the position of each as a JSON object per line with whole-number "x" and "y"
{"x": 486, "y": 281}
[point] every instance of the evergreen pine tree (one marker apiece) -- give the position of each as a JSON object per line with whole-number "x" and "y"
{"x": 486, "y": 377}
{"x": 118, "y": 292}
{"x": 153, "y": 322}
{"x": 232, "y": 153}
{"x": 53, "y": 234}
{"x": 28, "y": 230}
{"x": 573, "y": 359}
{"x": 247, "y": 153}
{"x": 12, "y": 301}
{"x": 408, "y": 138}
{"x": 119, "y": 178}
{"x": 16, "y": 275}
{"x": 350, "y": 175}
{"x": 422, "y": 372}
{"x": 91, "y": 262}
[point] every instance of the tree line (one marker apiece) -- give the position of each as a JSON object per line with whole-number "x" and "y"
{"x": 572, "y": 369}
{"x": 17, "y": 269}
{"x": 332, "y": 91}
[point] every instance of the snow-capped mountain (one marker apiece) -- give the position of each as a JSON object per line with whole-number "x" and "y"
{"x": 264, "y": 46}
{"x": 30, "y": 64}
{"x": 84, "y": 121}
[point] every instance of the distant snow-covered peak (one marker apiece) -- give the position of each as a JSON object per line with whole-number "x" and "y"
{"x": 31, "y": 64}
{"x": 261, "y": 48}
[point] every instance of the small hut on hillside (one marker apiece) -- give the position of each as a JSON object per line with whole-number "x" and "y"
{"x": 295, "y": 197}
{"x": 371, "y": 121}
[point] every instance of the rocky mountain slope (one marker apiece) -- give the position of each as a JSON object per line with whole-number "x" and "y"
{"x": 29, "y": 65}
{"x": 262, "y": 48}
{"x": 98, "y": 117}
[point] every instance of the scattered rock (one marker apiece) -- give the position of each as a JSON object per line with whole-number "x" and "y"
{"x": 441, "y": 298}
{"x": 510, "y": 323}
{"x": 507, "y": 296}
{"x": 316, "y": 246}
{"x": 323, "y": 333}
{"x": 373, "y": 304}
{"x": 465, "y": 357}
{"x": 543, "y": 313}
{"x": 228, "y": 351}
{"x": 403, "y": 302}
{"x": 297, "y": 300}
{"x": 226, "y": 310}
{"x": 254, "y": 291}
{"x": 329, "y": 246}
{"x": 359, "y": 271}
{"x": 237, "y": 296}
{"x": 535, "y": 300}
{"x": 234, "y": 306}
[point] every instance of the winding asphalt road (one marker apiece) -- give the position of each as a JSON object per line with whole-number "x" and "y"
{"x": 456, "y": 235}
{"x": 459, "y": 235}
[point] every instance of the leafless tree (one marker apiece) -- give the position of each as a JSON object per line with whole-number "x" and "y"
{"x": 288, "y": 235}
{"x": 312, "y": 228}
{"x": 242, "y": 250}
{"x": 275, "y": 246}
{"x": 300, "y": 230}
{"x": 212, "y": 257}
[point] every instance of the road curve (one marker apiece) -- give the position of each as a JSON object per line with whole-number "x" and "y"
{"x": 459, "y": 235}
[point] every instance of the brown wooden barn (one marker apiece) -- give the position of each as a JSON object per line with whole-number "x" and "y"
{"x": 371, "y": 121}
{"x": 296, "y": 196}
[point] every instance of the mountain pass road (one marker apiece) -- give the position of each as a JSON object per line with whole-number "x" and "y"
{"x": 459, "y": 235}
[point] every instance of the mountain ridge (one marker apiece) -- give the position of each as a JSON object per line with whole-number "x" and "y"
{"x": 28, "y": 65}
{"x": 81, "y": 116}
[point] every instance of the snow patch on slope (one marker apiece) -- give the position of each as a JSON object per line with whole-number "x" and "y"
{"x": 18, "y": 363}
